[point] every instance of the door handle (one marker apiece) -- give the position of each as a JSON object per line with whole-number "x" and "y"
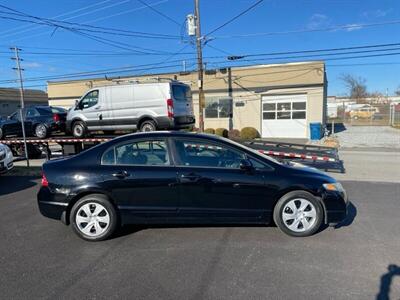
{"x": 191, "y": 177}
{"x": 121, "y": 174}
{"x": 97, "y": 107}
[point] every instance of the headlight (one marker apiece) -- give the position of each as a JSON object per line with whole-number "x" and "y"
{"x": 337, "y": 187}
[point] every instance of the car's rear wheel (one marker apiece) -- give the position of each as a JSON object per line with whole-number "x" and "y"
{"x": 94, "y": 218}
{"x": 41, "y": 131}
{"x": 79, "y": 129}
{"x": 298, "y": 213}
{"x": 148, "y": 125}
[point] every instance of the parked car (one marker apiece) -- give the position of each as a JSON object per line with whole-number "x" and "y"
{"x": 6, "y": 159}
{"x": 135, "y": 106}
{"x": 40, "y": 121}
{"x": 364, "y": 113}
{"x": 177, "y": 177}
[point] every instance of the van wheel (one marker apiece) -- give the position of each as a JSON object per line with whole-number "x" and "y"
{"x": 299, "y": 214}
{"x": 79, "y": 129}
{"x": 147, "y": 126}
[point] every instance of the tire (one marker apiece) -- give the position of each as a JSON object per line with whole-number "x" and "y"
{"x": 303, "y": 219}
{"x": 41, "y": 131}
{"x": 148, "y": 126}
{"x": 79, "y": 129}
{"x": 1, "y": 134}
{"x": 99, "y": 226}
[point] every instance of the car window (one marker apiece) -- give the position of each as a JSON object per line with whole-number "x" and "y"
{"x": 58, "y": 110}
{"x": 31, "y": 112}
{"x": 148, "y": 153}
{"x": 89, "y": 100}
{"x": 197, "y": 153}
{"x": 16, "y": 116}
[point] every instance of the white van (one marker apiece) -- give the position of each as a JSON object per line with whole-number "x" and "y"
{"x": 133, "y": 106}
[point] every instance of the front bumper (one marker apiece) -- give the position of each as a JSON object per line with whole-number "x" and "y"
{"x": 336, "y": 206}
{"x": 6, "y": 164}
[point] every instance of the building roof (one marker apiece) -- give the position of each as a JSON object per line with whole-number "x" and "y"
{"x": 13, "y": 94}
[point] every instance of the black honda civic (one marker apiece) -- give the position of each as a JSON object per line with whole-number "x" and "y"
{"x": 185, "y": 178}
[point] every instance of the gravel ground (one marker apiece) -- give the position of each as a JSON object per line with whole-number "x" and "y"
{"x": 369, "y": 136}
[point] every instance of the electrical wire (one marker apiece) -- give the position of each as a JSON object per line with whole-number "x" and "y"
{"x": 235, "y": 17}
{"x": 160, "y": 13}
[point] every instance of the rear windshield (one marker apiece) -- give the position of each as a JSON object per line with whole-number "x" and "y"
{"x": 181, "y": 93}
{"x": 58, "y": 110}
{"x": 44, "y": 110}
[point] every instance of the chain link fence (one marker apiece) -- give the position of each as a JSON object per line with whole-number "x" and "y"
{"x": 364, "y": 114}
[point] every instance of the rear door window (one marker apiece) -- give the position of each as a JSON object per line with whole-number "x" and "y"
{"x": 181, "y": 93}
{"x": 146, "y": 153}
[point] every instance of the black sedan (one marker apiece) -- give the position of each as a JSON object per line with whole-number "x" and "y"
{"x": 176, "y": 177}
{"x": 40, "y": 121}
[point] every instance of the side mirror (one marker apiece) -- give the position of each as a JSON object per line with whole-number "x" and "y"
{"x": 245, "y": 165}
{"x": 8, "y": 117}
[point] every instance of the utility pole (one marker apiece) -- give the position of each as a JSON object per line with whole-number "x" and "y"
{"x": 21, "y": 91}
{"x": 199, "y": 64}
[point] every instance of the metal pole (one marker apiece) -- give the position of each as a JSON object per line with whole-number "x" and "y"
{"x": 199, "y": 64}
{"x": 21, "y": 91}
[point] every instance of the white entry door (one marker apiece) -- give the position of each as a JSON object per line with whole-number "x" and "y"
{"x": 284, "y": 116}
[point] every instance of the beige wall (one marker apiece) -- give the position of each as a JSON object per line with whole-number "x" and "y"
{"x": 248, "y": 84}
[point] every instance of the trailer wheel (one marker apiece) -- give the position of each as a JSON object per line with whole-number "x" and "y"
{"x": 79, "y": 129}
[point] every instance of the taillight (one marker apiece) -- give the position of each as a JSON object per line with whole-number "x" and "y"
{"x": 45, "y": 183}
{"x": 170, "y": 108}
{"x": 56, "y": 117}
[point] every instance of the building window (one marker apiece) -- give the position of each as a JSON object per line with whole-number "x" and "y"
{"x": 218, "y": 107}
{"x": 284, "y": 110}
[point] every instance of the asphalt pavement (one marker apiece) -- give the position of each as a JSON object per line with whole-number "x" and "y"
{"x": 42, "y": 258}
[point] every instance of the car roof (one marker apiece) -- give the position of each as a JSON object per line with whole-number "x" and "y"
{"x": 159, "y": 134}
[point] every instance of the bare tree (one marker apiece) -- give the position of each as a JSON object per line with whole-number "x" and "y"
{"x": 356, "y": 86}
{"x": 397, "y": 92}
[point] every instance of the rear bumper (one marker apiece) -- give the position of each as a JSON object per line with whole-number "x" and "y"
{"x": 336, "y": 207}
{"x": 50, "y": 205}
{"x": 176, "y": 122}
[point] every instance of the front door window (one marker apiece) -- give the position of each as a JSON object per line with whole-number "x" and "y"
{"x": 89, "y": 100}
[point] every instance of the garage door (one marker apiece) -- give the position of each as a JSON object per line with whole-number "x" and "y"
{"x": 284, "y": 116}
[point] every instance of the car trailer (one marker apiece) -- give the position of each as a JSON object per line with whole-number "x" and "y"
{"x": 320, "y": 157}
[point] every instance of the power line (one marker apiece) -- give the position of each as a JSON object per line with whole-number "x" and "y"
{"x": 64, "y": 14}
{"x": 235, "y": 17}
{"x": 83, "y": 26}
{"x": 332, "y": 28}
{"x": 160, "y": 13}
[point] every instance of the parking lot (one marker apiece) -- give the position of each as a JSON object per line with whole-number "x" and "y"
{"x": 42, "y": 258}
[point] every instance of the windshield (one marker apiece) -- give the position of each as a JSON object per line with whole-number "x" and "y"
{"x": 181, "y": 93}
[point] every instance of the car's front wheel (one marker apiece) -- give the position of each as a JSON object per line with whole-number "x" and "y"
{"x": 298, "y": 213}
{"x": 94, "y": 218}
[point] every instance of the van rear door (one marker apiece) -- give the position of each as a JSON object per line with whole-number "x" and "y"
{"x": 182, "y": 97}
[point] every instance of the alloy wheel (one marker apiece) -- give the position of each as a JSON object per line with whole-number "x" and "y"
{"x": 40, "y": 131}
{"x": 299, "y": 215}
{"x": 92, "y": 219}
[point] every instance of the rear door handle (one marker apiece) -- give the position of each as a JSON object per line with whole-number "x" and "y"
{"x": 121, "y": 174}
{"x": 191, "y": 177}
